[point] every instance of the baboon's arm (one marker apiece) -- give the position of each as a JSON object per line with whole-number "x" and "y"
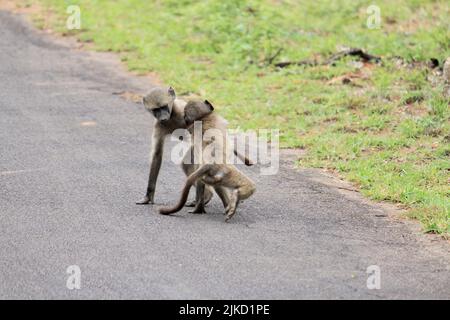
{"x": 156, "y": 159}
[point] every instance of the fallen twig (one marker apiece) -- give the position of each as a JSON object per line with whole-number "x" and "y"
{"x": 352, "y": 52}
{"x": 297, "y": 63}
{"x": 272, "y": 58}
{"x": 337, "y": 56}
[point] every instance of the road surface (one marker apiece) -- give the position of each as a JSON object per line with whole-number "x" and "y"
{"x": 74, "y": 159}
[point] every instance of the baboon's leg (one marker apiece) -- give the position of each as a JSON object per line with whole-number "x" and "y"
{"x": 232, "y": 206}
{"x": 189, "y": 167}
{"x": 207, "y": 196}
{"x": 199, "y": 198}
{"x": 187, "y": 164}
{"x": 246, "y": 191}
{"x": 223, "y": 195}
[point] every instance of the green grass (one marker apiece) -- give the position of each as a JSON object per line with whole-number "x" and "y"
{"x": 387, "y": 131}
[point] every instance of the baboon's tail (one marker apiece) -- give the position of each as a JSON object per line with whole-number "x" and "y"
{"x": 246, "y": 160}
{"x": 185, "y": 192}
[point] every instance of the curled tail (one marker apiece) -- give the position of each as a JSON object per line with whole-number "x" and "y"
{"x": 185, "y": 192}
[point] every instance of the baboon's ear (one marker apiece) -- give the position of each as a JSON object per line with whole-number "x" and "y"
{"x": 171, "y": 92}
{"x": 209, "y": 105}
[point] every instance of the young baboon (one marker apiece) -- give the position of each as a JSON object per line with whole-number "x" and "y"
{"x": 229, "y": 183}
{"x": 217, "y": 149}
{"x": 237, "y": 185}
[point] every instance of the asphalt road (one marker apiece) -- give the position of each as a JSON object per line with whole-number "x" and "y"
{"x": 74, "y": 159}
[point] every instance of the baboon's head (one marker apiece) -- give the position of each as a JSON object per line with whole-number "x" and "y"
{"x": 159, "y": 102}
{"x": 196, "y": 110}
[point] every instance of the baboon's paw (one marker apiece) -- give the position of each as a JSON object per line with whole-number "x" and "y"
{"x": 229, "y": 215}
{"x": 198, "y": 211}
{"x": 145, "y": 200}
{"x": 190, "y": 204}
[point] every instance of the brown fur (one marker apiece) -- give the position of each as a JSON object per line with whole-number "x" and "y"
{"x": 238, "y": 185}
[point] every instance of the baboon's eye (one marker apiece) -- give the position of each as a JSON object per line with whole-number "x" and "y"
{"x": 161, "y": 113}
{"x": 161, "y": 109}
{"x": 165, "y": 109}
{"x": 156, "y": 112}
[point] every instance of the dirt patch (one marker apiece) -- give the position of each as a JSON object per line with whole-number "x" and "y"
{"x": 415, "y": 110}
{"x": 8, "y": 5}
{"x": 130, "y": 96}
{"x": 356, "y": 78}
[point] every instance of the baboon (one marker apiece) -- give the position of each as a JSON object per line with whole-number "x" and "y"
{"x": 168, "y": 111}
{"x": 229, "y": 183}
